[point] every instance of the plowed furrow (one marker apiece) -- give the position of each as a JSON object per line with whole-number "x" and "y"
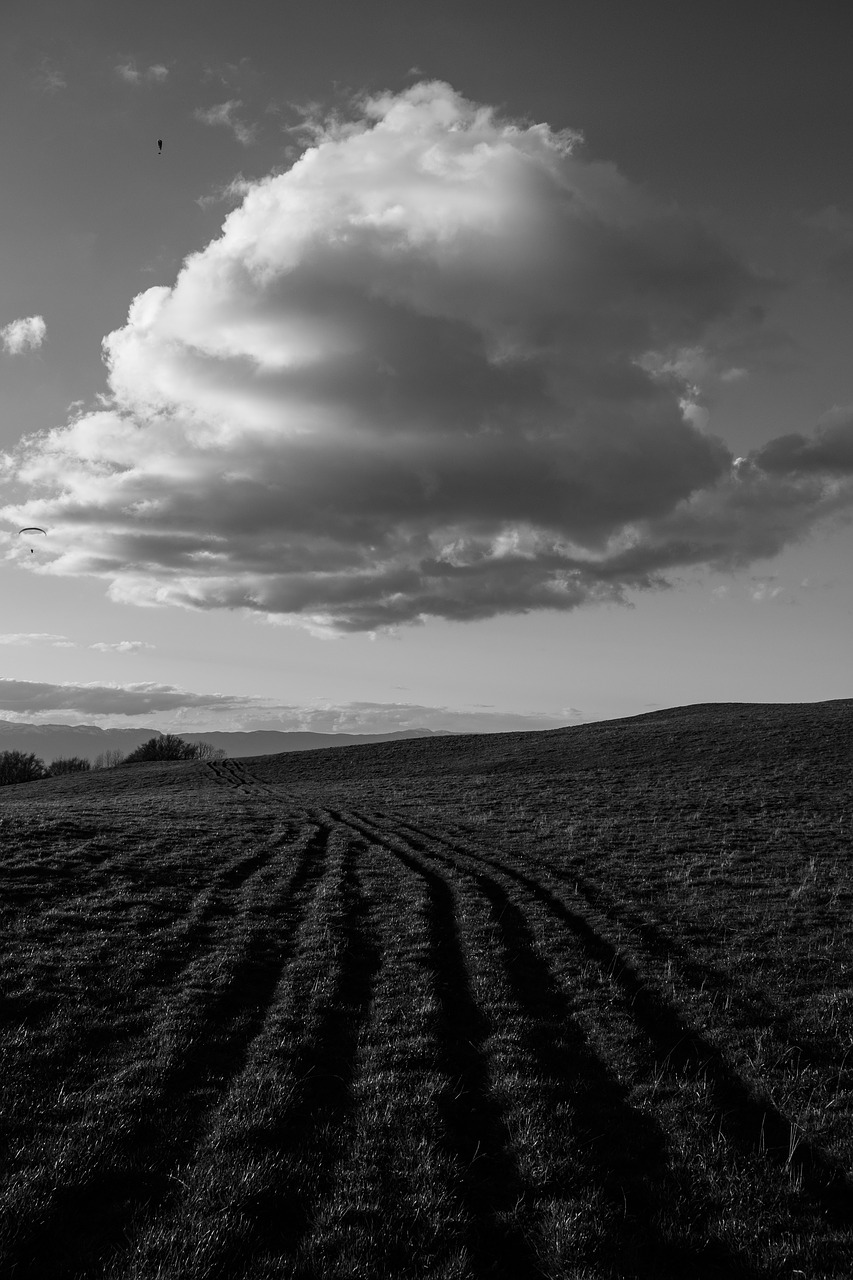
{"x": 749, "y": 1120}
{"x": 119, "y": 1165}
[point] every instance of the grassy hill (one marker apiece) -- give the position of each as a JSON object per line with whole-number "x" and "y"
{"x": 575, "y": 1003}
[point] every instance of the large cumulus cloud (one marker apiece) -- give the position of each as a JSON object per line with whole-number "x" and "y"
{"x": 442, "y": 366}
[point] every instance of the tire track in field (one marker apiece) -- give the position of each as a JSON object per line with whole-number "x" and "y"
{"x": 253, "y": 1181}
{"x": 232, "y": 773}
{"x": 473, "y": 1119}
{"x": 752, "y": 1008}
{"x": 326, "y": 1063}
{"x": 393, "y": 1206}
{"x": 88, "y": 1215}
{"x": 623, "y": 1151}
{"x": 745, "y": 1007}
{"x": 83, "y": 1045}
{"x": 750, "y": 1121}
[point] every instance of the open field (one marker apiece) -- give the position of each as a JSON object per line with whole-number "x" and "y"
{"x": 569, "y": 1004}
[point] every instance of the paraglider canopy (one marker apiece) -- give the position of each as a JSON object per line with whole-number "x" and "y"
{"x": 32, "y": 528}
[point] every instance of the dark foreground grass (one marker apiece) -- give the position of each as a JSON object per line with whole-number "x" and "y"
{"x": 572, "y": 1004}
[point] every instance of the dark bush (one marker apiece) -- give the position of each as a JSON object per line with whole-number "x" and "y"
{"x": 16, "y": 766}
{"x": 168, "y": 747}
{"x": 69, "y": 764}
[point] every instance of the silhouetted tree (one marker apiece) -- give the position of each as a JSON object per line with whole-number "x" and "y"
{"x": 69, "y": 764}
{"x": 206, "y": 751}
{"x": 168, "y": 747}
{"x": 16, "y": 766}
{"x": 108, "y": 759}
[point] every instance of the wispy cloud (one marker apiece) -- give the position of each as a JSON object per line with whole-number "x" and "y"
{"x": 231, "y": 193}
{"x": 49, "y": 78}
{"x": 26, "y": 334}
{"x": 225, "y": 114}
{"x": 764, "y": 589}
{"x": 241, "y": 76}
{"x": 131, "y": 74}
{"x": 443, "y": 366}
{"x": 26, "y": 638}
{"x": 121, "y": 646}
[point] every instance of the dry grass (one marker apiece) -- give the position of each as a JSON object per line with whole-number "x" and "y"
{"x": 574, "y": 1004}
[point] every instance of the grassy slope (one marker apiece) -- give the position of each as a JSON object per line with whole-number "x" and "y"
{"x": 574, "y": 1003}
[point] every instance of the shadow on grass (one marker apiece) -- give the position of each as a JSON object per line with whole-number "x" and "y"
{"x": 701, "y": 975}
{"x": 326, "y": 1065}
{"x": 624, "y": 1151}
{"x": 473, "y": 1119}
{"x": 82, "y": 1225}
{"x": 751, "y": 1123}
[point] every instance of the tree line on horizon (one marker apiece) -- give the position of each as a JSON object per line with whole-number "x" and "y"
{"x": 21, "y": 766}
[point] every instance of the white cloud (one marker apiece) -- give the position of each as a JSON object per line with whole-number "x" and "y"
{"x": 130, "y": 73}
{"x": 121, "y": 646}
{"x": 127, "y": 72}
{"x": 37, "y": 637}
{"x": 26, "y": 334}
{"x": 225, "y": 114}
{"x": 443, "y": 366}
{"x": 764, "y": 589}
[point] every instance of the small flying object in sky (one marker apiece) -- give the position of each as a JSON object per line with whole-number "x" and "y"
{"x": 159, "y": 145}
{"x": 32, "y": 528}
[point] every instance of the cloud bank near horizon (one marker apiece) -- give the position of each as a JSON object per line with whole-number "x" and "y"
{"x": 28, "y": 697}
{"x": 444, "y": 366}
{"x": 35, "y": 702}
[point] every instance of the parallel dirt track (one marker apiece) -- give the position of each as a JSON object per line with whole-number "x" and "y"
{"x": 286, "y": 1039}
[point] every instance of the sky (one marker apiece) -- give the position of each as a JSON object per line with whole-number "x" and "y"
{"x": 465, "y": 366}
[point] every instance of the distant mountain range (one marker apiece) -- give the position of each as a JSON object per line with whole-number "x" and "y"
{"x": 52, "y": 741}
